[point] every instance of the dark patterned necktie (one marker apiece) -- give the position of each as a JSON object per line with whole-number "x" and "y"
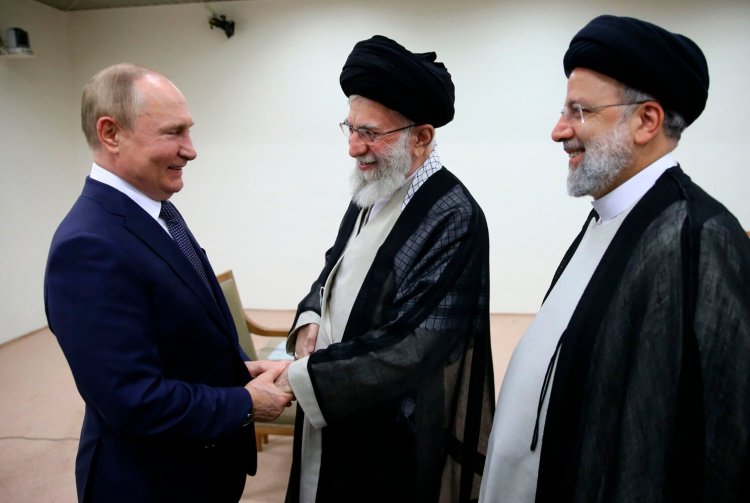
{"x": 178, "y": 230}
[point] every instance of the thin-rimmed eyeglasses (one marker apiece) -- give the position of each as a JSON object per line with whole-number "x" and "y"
{"x": 576, "y": 110}
{"x": 367, "y": 135}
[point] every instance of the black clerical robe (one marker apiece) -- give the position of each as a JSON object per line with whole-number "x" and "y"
{"x": 408, "y": 394}
{"x": 651, "y": 393}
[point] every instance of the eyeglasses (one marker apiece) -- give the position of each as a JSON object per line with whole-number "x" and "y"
{"x": 575, "y": 111}
{"x": 365, "y": 134}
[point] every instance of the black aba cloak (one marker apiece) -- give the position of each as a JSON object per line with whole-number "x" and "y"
{"x": 650, "y": 399}
{"x": 408, "y": 395}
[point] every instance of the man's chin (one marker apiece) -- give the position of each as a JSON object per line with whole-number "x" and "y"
{"x": 576, "y": 186}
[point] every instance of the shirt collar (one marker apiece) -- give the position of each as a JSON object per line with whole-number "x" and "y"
{"x": 429, "y": 168}
{"x": 106, "y": 177}
{"x": 631, "y": 191}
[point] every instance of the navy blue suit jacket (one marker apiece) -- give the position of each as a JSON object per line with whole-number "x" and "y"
{"x": 154, "y": 355}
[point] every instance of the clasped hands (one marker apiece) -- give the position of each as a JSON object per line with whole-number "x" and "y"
{"x": 307, "y": 336}
{"x": 269, "y": 388}
{"x": 270, "y": 397}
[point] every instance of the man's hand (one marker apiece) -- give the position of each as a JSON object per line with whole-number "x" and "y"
{"x": 307, "y": 336}
{"x": 269, "y": 401}
{"x": 282, "y": 382}
{"x": 257, "y": 367}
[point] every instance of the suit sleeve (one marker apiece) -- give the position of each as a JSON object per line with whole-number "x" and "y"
{"x": 100, "y": 307}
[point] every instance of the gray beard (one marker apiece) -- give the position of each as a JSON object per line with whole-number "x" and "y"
{"x": 605, "y": 158}
{"x": 369, "y": 187}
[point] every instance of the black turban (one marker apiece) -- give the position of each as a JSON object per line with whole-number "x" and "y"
{"x": 415, "y": 85}
{"x": 668, "y": 66}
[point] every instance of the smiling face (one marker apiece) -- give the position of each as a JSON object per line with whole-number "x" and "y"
{"x": 372, "y": 185}
{"x": 152, "y": 154}
{"x": 600, "y": 149}
{"x": 381, "y": 166}
{"x": 368, "y": 114}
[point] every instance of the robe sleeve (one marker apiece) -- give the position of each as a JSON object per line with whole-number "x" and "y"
{"x": 303, "y": 319}
{"x": 722, "y": 328}
{"x": 299, "y": 379}
{"x": 436, "y": 284}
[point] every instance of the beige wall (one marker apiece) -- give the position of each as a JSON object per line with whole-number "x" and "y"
{"x": 270, "y": 183}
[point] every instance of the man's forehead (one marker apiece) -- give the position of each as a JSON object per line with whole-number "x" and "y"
{"x": 583, "y": 82}
{"x": 166, "y": 117}
{"x": 371, "y": 113}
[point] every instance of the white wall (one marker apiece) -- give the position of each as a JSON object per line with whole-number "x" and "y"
{"x": 38, "y": 173}
{"x": 271, "y": 180}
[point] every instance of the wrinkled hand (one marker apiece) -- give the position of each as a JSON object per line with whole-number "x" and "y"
{"x": 307, "y": 336}
{"x": 269, "y": 401}
{"x": 282, "y": 382}
{"x": 258, "y": 367}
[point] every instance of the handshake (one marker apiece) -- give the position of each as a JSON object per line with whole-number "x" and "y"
{"x": 269, "y": 388}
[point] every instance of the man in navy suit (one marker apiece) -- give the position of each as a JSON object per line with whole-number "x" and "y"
{"x": 170, "y": 396}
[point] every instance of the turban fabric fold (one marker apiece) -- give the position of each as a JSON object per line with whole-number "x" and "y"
{"x": 413, "y": 84}
{"x": 646, "y": 57}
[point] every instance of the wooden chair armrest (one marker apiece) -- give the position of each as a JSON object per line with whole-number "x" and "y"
{"x": 257, "y": 329}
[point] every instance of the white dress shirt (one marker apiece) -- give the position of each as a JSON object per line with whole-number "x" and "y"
{"x": 149, "y": 205}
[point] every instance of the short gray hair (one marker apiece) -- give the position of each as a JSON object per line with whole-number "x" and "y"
{"x": 111, "y": 93}
{"x": 674, "y": 123}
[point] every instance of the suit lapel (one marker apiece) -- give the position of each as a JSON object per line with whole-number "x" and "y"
{"x": 145, "y": 228}
{"x": 218, "y": 299}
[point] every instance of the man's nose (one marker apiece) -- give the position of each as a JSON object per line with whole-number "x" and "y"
{"x": 563, "y": 130}
{"x": 357, "y": 147}
{"x": 187, "y": 150}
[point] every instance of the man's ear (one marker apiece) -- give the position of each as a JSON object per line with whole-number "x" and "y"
{"x": 424, "y": 135}
{"x": 651, "y": 119}
{"x": 107, "y": 130}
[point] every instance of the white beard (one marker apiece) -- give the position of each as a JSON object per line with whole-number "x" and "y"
{"x": 390, "y": 174}
{"x": 606, "y": 157}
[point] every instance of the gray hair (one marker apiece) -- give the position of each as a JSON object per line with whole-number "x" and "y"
{"x": 674, "y": 123}
{"x": 111, "y": 93}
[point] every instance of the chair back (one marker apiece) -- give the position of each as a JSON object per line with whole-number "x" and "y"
{"x": 284, "y": 424}
{"x": 229, "y": 288}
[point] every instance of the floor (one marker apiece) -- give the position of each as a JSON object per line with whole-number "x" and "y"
{"x": 41, "y": 414}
